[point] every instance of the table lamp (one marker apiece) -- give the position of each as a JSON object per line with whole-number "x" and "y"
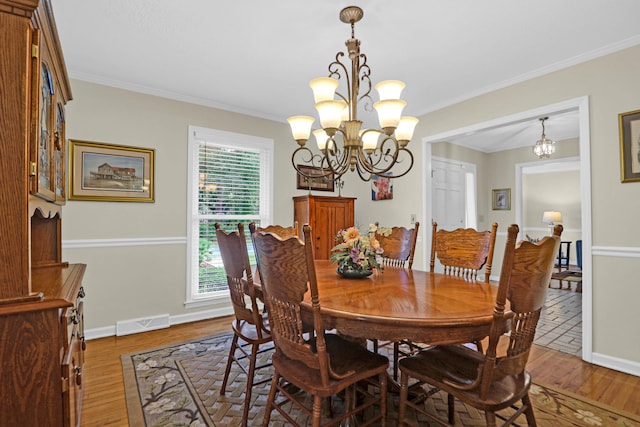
{"x": 552, "y": 218}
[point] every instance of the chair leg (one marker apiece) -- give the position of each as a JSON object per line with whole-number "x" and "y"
{"x": 531, "y": 419}
{"x": 404, "y": 394}
{"x": 451, "y": 408}
{"x": 396, "y": 355}
{"x": 317, "y": 411}
{"x": 271, "y": 400}
{"x": 230, "y": 359}
{"x": 250, "y": 374}
{"x": 491, "y": 418}
{"x": 383, "y": 399}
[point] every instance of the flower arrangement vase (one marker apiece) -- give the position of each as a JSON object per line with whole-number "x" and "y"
{"x": 350, "y": 272}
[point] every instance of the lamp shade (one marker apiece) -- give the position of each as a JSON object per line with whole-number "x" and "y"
{"x": 389, "y": 112}
{"x": 390, "y": 89}
{"x": 369, "y": 140}
{"x": 551, "y": 217}
{"x": 300, "y": 127}
{"x": 324, "y": 88}
{"x": 404, "y": 131}
{"x": 322, "y": 140}
{"x": 330, "y": 113}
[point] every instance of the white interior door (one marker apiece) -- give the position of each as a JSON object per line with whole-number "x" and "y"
{"x": 449, "y": 192}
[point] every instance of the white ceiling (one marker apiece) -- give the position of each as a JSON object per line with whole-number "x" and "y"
{"x": 257, "y": 56}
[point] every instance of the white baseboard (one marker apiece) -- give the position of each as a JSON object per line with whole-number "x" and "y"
{"x": 202, "y": 315}
{"x": 622, "y": 365}
{"x": 95, "y": 333}
{"x": 150, "y": 323}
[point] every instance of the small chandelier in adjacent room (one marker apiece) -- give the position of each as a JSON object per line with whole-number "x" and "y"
{"x": 544, "y": 147}
{"x": 343, "y": 145}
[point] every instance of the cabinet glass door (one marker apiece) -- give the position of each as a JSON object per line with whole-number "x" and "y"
{"x": 44, "y": 172}
{"x": 59, "y": 150}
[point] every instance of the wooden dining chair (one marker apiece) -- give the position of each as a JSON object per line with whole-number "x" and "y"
{"x": 399, "y": 248}
{"x": 463, "y": 252}
{"x": 497, "y": 379}
{"x": 250, "y": 326}
{"x": 280, "y": 230}
{"x": 322, "y": 364}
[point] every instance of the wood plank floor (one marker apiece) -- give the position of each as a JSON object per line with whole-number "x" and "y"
{"x": 104, "y": 402}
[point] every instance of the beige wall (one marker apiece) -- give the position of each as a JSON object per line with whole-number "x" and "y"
{"x": 612, "y": 86}
{"x": 130, "y": 282}
{"x": 138, "y": 281}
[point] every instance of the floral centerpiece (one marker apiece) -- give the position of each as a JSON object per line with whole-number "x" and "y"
{"x": 356, "y": 253}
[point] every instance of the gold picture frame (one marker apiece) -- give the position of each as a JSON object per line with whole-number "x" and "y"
{"x": 501, "y": 199}
{"x": 110, "y": 173}
{"x": 629, "y": 127}
{"x": 322, "y": 183}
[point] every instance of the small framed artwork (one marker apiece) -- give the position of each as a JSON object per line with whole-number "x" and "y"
{"x": 381, "y": 188}
{"x": 110, "y": 173}
{"x": 629, "y": 124}
{"x": 501, "y": 199}
{"x": 320, "y": 180}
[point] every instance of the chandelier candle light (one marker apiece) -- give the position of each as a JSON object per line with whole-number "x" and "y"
{"x": 342, "y": 142}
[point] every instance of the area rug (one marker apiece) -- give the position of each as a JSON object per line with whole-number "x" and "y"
{"x": 179, "y": 385}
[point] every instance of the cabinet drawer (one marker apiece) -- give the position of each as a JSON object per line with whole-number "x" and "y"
{"x": 72, "y": 381}
{"x": 72, "y": 317}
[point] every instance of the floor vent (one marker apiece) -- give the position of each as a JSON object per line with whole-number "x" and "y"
{"x": 143, "y": 324}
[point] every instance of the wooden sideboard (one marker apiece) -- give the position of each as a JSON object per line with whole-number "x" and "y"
{"x": 41, "y": 297}
{"x": 326, "y": 216}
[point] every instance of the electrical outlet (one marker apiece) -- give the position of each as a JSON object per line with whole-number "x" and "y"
{"x": 412, "y": 218}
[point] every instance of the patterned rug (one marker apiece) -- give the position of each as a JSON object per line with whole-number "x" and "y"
{"x": 179, "y": 385}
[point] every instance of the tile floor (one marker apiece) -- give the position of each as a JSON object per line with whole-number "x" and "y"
{"x": 560, "y": 324}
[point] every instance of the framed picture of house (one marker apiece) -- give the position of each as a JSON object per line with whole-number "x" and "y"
{"x": 501, "y": 199}
{"x": 321, "y": 180}
{"x": 629, "y": 124}
{"x": 110, "y": 173}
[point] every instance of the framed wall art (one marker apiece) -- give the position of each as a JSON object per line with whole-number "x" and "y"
{"x": 381, "y": 188}
{"x": 501, "y": 199}
{"x": 629, "y": 124}
{"x": 110, "y": 173}
{"x": 321, "y": 183}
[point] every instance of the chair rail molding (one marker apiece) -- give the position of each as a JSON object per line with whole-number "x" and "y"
{"x": 106, "y": 243}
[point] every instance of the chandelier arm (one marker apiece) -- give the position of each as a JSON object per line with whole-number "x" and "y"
{"x": 365, "y": 76}
{"x": 410, "y": 154}
{"x": 364, "y": 175}
{"x": 370, "y": 166}
{"x": 337, "y": 159}
{"x": 334, "y": 72}
{"x": 308, "y": 158}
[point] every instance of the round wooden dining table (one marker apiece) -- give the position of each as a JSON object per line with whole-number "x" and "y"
{"x": 398, "y": 304}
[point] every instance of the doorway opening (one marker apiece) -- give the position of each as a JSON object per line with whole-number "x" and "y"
{"x": 579, "y": 106}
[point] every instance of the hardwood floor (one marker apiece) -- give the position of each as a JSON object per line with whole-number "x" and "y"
{"x": 104, "y": 402}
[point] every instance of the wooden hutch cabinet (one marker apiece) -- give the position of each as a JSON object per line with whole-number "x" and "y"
{"x": 326, "y": 216}
{"x": 41, "y": 308}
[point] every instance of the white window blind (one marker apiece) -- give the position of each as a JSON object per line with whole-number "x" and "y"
{"x": 231, "y": 182}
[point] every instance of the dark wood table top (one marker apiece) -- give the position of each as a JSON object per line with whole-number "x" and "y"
{"x": 405, "y": 304}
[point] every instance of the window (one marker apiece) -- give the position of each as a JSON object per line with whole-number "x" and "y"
{"x": 230, "y": 181}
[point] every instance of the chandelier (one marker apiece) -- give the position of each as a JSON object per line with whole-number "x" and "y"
{"x": 544, "y": 147}
{"x": 343, "y": 144}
